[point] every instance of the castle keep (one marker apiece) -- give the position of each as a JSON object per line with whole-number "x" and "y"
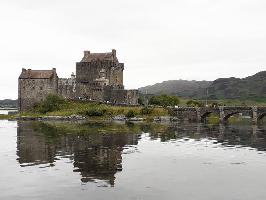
{"x": 99, "y": 77}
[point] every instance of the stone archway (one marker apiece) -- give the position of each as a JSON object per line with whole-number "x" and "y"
{"x": 261, "y": 116}
{"x": 226, "y": 117}
{"x": 204, "y": 116}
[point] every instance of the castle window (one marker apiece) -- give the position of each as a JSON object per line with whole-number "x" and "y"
{"x": 41, "y": 88}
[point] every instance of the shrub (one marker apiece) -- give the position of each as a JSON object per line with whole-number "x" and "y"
{"x": 95, "y": 112}
{"x": 50, "y": 104}
{"x": 194, "y": 103}
{"x": 141, "y": 100}
{"x": 146, "y": 111}
{"x": 164, "y": 100}
{"x": 130, "y": 114}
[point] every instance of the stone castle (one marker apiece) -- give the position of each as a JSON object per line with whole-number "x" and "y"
{"x": 99, "y": 77}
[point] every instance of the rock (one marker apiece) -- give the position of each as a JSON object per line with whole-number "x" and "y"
{"x": 135, "y": 119}
{"x": 119, "y": 118}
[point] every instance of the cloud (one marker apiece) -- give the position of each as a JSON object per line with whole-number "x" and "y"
{"x": 157, "y": 40}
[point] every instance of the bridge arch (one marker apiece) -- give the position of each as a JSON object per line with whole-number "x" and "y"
{"x": 261, "y": 116}
{"x": 206, "y": 114}
{"x": 226, "y": 117}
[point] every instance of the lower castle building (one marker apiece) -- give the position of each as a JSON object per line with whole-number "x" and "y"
{"x": 99, "y": 77}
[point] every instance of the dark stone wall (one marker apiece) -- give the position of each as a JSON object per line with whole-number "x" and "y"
{"x": 120, "y": 96}
{"x": 67, "y": 88}
{"x": 32, "y": 91}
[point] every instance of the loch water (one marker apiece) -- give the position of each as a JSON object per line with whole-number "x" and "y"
{"x": 119, "y": 161}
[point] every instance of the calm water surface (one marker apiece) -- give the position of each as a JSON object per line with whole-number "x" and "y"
{"x": 61, "y": 160}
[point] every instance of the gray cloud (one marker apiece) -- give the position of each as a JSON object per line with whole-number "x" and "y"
{"x": 157, "y": 40}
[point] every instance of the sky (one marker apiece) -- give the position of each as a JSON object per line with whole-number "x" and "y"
{"x": 157, "y": 40}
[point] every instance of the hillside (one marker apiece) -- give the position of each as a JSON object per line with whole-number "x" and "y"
{"x": 182, "y": 88}
{"x": 252, "y": 87}
{"x": 8, "y": 103}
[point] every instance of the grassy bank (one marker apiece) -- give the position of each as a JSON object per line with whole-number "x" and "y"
{"x": 59, "y": 107}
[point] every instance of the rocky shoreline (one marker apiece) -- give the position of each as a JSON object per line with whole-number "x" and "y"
{"x": 82, "y": 118}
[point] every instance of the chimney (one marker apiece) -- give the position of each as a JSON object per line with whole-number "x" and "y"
{"x": 73, "y": 76}
{"x": 86, "y": 53}
{"x": 114, "y": 52}
{"x": 23, "y": 70}
{"x": 54, "y": 70}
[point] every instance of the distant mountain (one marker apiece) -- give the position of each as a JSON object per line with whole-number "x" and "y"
{"x": 8, "y": 103}
{"x": 180, "y": 88}
{"x": 252, "y": 87}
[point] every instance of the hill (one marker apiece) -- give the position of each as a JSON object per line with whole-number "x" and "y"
{"x": 252, "y": 87}
{"x": 8, "y": 103}
{"x": 182, "y": 88}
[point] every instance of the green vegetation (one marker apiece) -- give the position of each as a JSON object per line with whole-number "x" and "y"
{"x": 94, "y": 112}
{"x": 194, "y": 103}
{"x": 164, "y": 100}
{"x": 56, "y": 106}
{"x": 6, "y": 117}
{"x": 50, "y": 104}
{"x": 130, "y": 114}
{"x": 146, "y": 111}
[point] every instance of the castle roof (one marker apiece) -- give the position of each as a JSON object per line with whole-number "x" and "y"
{"x": 109, "y": 56}
{"x": 37, "y": 74}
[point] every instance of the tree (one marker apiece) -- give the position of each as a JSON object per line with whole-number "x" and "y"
{"x": 194, "y": 103}
{"x": 164, "y": 100}
{"x": 50, "y": 104}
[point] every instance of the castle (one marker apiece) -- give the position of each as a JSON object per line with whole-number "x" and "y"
{"x": 99, "y": 77}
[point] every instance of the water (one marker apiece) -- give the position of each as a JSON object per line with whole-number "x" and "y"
{"x": 5, "y": 112}
{"x": 60, "y": 160}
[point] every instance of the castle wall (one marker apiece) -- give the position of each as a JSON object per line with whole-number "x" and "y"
{"x": 33, "y": 91}
{"x": 84, "y": 91}
{"x": 120, "y": 96}
{"x": 88, "y": 72}
{"x": 67, "y": 88}
{"x": 116, "y": 78}
{"x": 132, "y": 97}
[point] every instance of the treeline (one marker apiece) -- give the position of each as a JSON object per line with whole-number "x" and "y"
{"x": 8, "y": 103}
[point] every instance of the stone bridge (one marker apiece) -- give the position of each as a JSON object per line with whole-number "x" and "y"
{"x": 224, "y": 112}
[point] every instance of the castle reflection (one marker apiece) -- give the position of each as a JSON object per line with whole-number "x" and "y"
{"x": 95, "y": 150}
{"x": 96, "y": 156}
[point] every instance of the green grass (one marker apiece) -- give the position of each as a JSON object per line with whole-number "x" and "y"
{"x": 6, "y": 117}
{"x": 97, "y": 111}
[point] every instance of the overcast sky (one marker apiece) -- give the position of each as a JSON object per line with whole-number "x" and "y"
{"x": 157, "y": 40}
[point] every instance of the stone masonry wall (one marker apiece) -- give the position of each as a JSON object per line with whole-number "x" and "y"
{"x": 32, "y": 91}
{"x": 67, "y": 88}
